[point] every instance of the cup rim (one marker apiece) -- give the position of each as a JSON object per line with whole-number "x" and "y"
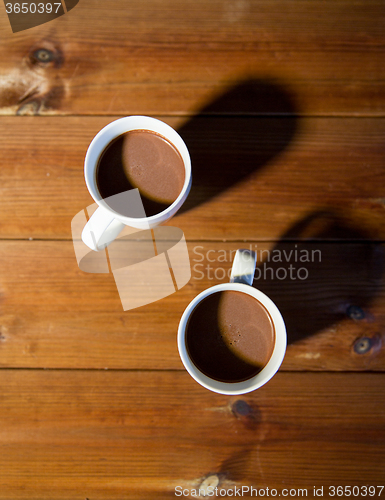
{"x": 275, "y": 361}
{"x": 113, "y": 130}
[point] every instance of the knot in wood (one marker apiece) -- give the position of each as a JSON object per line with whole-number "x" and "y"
{"x": 355, "y": 312}
{"x": 240, "y": 407}
{"x": 29, "y": 108}
{"x": 363, "y": 345}
{"x": 46, "y": 56}
{"x": 208, "y": 485}
{"x": 43, "y": 55}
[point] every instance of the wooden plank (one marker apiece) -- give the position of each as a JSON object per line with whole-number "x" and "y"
{"x": 80, "y": 434}
{"x": 53, "y": 315}
{"x": 253, "y": 178}
{"x": 174, "y": 57}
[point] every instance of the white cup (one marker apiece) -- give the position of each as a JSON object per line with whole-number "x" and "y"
{"x": 106, "y": 224}
{"x": 242, "y": 273}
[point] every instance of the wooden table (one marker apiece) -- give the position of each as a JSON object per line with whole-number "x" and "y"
{"x": 282, "y": 105}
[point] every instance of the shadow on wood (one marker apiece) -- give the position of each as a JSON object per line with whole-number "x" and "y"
{"x": 227, "y": 142}
{"x": 316, "y": 283}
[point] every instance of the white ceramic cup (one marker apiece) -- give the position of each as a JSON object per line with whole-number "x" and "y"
{"x": 106, "y": 224}
{"x": 242, "y": 273}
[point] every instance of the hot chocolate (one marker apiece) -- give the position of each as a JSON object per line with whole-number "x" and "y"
{"x": 145, "y": 160}
{"x": 230, "y": 336}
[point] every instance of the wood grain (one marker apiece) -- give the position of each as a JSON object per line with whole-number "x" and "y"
{"x": 53, "y": 315}
{"x": 282, "y": 106}
{"x": 253, "y": 178}
{"x": 76, "y": 434}
{"x": 175, "y": 56}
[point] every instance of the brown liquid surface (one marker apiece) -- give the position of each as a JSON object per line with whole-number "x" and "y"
{"x": 145, "y": 160}
{"x": 230, "y": 336}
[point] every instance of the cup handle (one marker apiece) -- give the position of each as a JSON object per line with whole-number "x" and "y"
{"x": 243, "y": 267}
{"x": 101, "y": 229}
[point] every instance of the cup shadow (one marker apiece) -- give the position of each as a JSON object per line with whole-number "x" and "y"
{"x": 317, "y": 283}
{"x": 235, "y": 135}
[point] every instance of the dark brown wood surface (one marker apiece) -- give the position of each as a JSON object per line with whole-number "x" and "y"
{"x": 127, "y": 434}
{"x": 255, "y": 178}
{"x": 57, "y": 316}
{"x": 282, "y": 106}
